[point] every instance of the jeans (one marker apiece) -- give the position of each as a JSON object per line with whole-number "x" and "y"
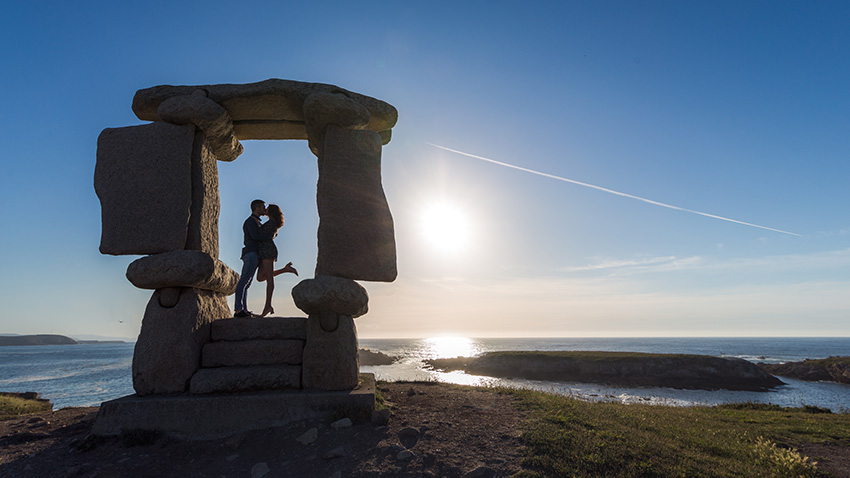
{"x": 250, "y": 262}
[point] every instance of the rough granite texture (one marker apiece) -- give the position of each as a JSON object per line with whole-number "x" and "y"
{"x": 330, "y": 358}
{"x": 356, "y": 234}
{"x": 182, "y": 269}
{"x": 323, "y": 109}
{"x": 342, "y": 296}
{"x": 143, "y": 180}
{"x": 244, "y": 379}
{"x": 168, "y": 350}
{"x": 260, "y": 328}
{"x": 202, "y": 231}
{"x": 252, "y": 352}
{"x": 207, "y": 115}
{"x": 270, "y": 109}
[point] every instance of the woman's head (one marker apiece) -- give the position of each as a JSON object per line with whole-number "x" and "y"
{"x": 275, "y": 214}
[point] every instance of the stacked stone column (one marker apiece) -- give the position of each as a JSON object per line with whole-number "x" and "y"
{"x": 158, "y": 187}
{"x": 356, "y": 238}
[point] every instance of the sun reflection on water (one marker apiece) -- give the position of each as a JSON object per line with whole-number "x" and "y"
{"x": 450, "y": 347}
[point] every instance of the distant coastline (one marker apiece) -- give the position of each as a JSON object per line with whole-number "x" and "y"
{"x": 49, "y": 339}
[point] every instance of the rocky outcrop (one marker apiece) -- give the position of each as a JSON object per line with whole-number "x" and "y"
{"x": 832, "y": 369}
{"x": 371, "y": 357}
{"x": 619, "y": 368}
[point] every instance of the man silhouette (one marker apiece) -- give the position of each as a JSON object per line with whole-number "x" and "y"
{"x": 250, "y": 256}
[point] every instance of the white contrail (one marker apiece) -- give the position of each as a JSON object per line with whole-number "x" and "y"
{"x": 618, "y": 193}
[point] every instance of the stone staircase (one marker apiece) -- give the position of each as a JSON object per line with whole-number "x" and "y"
{"x": 251, "y": 354}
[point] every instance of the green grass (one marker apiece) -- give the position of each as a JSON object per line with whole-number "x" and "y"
{"x": 827, "y": 362}
{"x": 14, "y": 406}
{"x": 568, "y": 437}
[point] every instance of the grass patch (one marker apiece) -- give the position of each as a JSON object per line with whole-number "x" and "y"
{"x": 569, "y": 437}
{"x": 15, "y": 406}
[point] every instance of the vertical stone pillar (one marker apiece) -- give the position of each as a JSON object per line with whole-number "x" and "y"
{"x": 356, "y": 233}
{"x": 202, "y": 234}
{"x": 330, "y": 357}
{"x": 168, "y": 350}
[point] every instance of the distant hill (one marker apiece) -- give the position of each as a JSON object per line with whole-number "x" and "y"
{"x": 41, "y": 339}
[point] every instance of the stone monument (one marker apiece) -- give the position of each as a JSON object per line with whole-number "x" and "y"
{"x": 158, "y": 188}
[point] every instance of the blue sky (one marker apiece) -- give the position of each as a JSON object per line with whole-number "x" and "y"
{"x": 737, "y": 109}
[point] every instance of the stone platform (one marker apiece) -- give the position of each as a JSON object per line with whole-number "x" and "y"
{"x": 206, "y": 417}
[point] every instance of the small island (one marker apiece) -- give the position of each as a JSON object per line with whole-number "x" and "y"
{"x": 40, "y": 339}
{"x": 698, "y": 372}
{"x": 50, "y": 339}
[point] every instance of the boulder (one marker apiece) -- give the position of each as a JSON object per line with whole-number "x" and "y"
{"x": 168, "y": 350}
{"x": 182, "y": 269}
{"x": 270, "y": 109}
{"x": 209, "y": 116}
{"x": 341, "y": 296}
{"x": 356, "y": 233}
{"x": 202, "y": 231}
{"x": 330, "y": 358}
{"x": 143, "y": 180}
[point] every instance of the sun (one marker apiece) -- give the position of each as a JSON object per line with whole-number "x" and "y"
{"x": 445, "y": 227}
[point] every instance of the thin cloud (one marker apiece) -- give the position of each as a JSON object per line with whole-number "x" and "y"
{"x": 611, "y": 191}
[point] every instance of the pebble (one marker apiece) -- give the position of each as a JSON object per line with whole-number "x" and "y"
{"x": 308, "y": 437}
{"x": 405, "y": 455}
{"x": 260, "y": 469}
{"x": 343, "y": 423}
{"x": 232, "y": 458}
{"x": 337, "y": 452}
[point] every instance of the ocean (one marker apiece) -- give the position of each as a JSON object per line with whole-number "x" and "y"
{"x": 86, "y": 375}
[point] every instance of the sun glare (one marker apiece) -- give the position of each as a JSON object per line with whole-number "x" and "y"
{"x": 451, "y": 347}
{"x": 445, "y": 227}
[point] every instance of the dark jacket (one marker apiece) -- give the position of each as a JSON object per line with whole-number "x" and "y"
{"x": 251, "y": 228}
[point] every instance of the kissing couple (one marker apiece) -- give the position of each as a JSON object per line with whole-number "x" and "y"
{"x": 259, "y": 255}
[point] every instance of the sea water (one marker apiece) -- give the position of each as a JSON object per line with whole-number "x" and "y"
{"x": 88, "y": 374}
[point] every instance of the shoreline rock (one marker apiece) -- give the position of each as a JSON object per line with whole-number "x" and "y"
{"x": 695, "y": 372}
{"x": 372, "y": 357}
{"x": 832, "y": 369}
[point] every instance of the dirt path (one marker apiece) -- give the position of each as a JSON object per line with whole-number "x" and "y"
{"x": 435, "y": 430}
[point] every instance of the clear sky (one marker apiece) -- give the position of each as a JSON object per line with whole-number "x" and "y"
{"x": 736, "y": 109}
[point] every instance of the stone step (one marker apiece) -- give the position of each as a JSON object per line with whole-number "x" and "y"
{"x": 252, "y": 352}
{"x": 244, "y": 379}
{"x": 207, "y": 417}
{"x": 260, "y": 328}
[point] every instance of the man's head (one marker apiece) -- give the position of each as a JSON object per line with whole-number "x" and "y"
{"x": 258, "y": 207}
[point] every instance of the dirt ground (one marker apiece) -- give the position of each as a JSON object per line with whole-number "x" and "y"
{"x": 435, "y": 430}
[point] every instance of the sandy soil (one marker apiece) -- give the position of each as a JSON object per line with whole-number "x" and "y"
{"x": 435, "y": 430}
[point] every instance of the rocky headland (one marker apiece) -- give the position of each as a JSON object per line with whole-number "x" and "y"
{"x": 832, "y": 369}
{"x": 700, "y": 372}
{"x": 41, "y": 339}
